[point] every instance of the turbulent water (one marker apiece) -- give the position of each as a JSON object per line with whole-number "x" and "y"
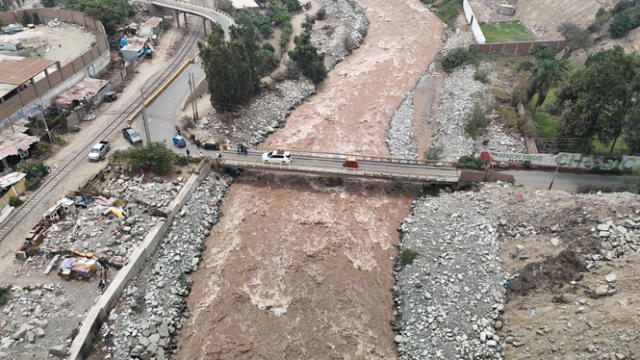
{"x": 300, "y": 267}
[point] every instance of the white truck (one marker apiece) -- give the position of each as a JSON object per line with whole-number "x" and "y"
{"x": 99, "y": 151}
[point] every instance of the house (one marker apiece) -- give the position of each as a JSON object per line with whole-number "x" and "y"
{"x": 150, "y": 28}
{"x": 15, "y": 145}
{"x": 12, "y": 185}
{"x": 134, "y": 48}
{"x": 89, "y": 90}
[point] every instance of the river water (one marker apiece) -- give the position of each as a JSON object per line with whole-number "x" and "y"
{"x": 301, "y": 267}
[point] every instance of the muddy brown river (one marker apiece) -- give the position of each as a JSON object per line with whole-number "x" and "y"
{"x": 301, "y": 267}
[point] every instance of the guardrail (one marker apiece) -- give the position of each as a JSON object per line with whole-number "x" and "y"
{"x": 336, "y": 155}
{"x": 200, "y": 10}
{"x": 439, "y": 177}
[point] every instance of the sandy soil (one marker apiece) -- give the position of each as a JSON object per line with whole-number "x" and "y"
{"x": 299, "y": 267}
{"x": 561, "y": 321}
{"x": 60, "y": 43}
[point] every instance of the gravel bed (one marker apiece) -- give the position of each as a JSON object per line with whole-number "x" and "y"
{"x": 448, "y": 299}
{"x": 153, "y": 306}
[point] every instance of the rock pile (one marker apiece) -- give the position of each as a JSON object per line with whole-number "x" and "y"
{"x": 449, "y": 298}
{"x": 264, "y": 115}
{"x": 153, "y": 306}
{"x": 342, "y": 31}
{"x": 26, "y": 319}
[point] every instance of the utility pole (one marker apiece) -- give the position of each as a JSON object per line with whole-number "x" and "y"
{"x": 145, "y": 123}
{"x": 554, "y": 176}
{"x": 194, "y": 106}
{"x": 44, "y": 120}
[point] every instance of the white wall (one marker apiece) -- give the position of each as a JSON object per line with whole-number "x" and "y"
{"x": 475, "y": 26}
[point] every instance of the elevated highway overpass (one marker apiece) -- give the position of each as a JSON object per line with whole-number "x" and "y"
{"x": 201, "y": 9}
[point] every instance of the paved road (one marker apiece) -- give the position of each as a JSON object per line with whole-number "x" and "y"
{"x": 566, "y": 181}
{"x": 162, "y": 112}
{"x": 332, "y": 165}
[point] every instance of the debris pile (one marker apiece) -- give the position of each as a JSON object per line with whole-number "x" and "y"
{"x": 153, "y": 307}
{"x": 113, "y": 226}
{"x": 29, "y": 314}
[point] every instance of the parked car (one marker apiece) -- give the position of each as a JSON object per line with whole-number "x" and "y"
{"x": 131, "y": 136}
{"x": 277, "y": 157}
{"x": 109, "y": 96}
{"x": 99, "y": 151}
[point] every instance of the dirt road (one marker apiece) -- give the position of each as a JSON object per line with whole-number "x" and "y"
{"x": 299, "y": 267}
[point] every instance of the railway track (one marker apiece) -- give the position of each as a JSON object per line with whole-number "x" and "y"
{"x": 111, "y": 125}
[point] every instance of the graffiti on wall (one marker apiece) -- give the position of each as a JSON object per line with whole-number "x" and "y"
{"x": 565, "y": 160}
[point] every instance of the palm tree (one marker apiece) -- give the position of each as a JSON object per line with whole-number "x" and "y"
{"x": 546, "y": 72}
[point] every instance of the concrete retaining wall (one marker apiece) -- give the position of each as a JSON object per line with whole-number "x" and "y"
{"x": 475, "y": 26}
{"x": 82, "y": 343}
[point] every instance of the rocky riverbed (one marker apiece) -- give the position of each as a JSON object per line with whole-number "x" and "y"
{"x": 153, "y": 307}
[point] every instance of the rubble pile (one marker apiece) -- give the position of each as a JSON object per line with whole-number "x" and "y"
{"x": 342, "y": 31}
{"x": 449, "y": 299}
{"x": 146, "y": 321}
{"x": 31, "y": 312}
{"x": 97, "y": 229}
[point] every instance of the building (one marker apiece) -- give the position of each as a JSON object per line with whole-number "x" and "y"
{"x": 135, "y": 48}
{"x": 15, "y": 145}
{"x": 150, "y": 29}
{"x": 87, "y": 91}
{"x": 11, "y": 185}
{"x": 18, "y": 78}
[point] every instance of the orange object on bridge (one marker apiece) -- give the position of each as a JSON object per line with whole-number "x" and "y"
{"x": 350, "y": 162}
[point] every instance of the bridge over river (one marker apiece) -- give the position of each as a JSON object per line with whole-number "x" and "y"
{"x": 333, "y": 164}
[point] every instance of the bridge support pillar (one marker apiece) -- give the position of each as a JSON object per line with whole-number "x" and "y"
{"x": 178, "y": 17}
{"x": 186, "y": 24}
{"x": 204, "y": 23}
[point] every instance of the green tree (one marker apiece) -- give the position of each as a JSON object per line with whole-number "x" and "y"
{"x": 232, "y": 68}
{"x": 576, "y": 37}
{"x": 36, "y": 19}
{"x": 625, "y": 20}
{"x": 48, "y": 3}
{"x": 26, "y": 18}
{"x": 110, "y": 12}
{"x": 306, "y": 56}
{"x": 153, "y": 156}
{"x": 546, "y": 72}
{"x": 292, "y": 5}
{"x": 601, "y": 100}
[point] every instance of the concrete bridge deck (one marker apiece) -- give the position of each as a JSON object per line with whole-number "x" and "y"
{"x": 331, "y": 164}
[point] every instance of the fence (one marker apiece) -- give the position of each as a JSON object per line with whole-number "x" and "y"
{"x": 516, "y": 48}
{"x": 475, "y": 26}
{"x": 12, "y": 109}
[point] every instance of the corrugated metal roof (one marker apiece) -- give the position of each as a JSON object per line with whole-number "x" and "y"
{"x": 87, "y": 88}
{"x": 18, "y": 71}
{"x": 10, "y": 142}
{"x": 152, "y": 22}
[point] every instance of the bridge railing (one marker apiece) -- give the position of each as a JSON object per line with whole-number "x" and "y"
{"x": 436, "y": 163}
{"x": 301, "y": 166}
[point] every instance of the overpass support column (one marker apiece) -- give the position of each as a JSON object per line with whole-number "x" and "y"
{"x": 204, "y": 23}
{"x": 178, "y": 17}
{"x": 186, "y": 24}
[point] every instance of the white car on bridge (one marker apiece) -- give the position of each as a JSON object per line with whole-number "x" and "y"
{"x": 277, "y": 157}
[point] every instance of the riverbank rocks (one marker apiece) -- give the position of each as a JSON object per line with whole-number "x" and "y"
{"x": 150, "y": 312}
